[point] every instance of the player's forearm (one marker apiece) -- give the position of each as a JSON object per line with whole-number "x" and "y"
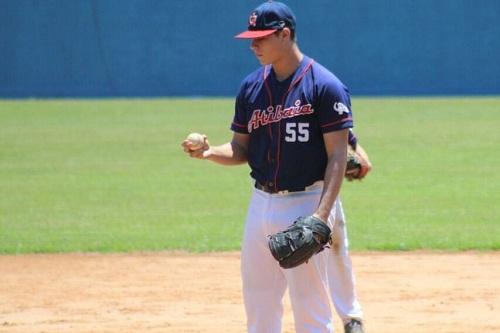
{"x": 334, "y": 176}
{"x": 227, "y": 154}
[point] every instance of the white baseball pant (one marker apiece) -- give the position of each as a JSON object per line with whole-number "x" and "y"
{"x": 265, "y": 282}
{"x": 341, "y": 279}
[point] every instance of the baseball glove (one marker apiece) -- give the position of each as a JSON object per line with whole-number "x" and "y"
{"x": 299, "y": 242}
{"x": 353, "y": 167}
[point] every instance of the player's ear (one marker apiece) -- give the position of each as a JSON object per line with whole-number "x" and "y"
{"x": 286, "y": 33}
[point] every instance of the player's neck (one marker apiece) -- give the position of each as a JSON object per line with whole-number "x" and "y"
{"x": 288, "y": 64}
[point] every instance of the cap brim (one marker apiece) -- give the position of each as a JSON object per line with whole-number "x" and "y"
{"x": 250, "y": 34}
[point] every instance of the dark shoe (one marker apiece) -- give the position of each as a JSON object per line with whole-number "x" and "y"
{"x": 354, "y": 326}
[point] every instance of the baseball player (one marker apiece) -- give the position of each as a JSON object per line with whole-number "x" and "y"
{"x": 339, "y": 266}
{"x": 291, "y": 125}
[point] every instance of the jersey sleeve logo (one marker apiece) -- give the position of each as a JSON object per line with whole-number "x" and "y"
{"x": 340, "y": 108}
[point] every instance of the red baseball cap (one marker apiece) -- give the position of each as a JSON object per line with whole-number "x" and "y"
{"x": 268, "y": 18}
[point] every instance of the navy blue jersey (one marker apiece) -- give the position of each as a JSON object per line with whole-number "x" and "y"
{"x": 286, "y": 121}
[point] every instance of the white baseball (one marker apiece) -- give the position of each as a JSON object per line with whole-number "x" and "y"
{"x": 197, "y": 141}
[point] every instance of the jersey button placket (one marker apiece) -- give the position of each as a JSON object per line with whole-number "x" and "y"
{"x": 273, "y": 165}
{"x": 271, "y": 159}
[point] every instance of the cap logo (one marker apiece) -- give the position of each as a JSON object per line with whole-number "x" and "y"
{"x": 252, "y": 20}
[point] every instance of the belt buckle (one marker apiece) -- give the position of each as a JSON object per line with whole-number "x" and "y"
{"x": 267, "y": 189}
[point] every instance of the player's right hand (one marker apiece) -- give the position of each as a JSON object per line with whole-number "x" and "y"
{"x": 193, "y": 151}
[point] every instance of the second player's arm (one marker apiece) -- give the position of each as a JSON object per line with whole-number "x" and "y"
{"x": 366, "y": 165}
{"x": 231, "y": 153}
{"x": 336, "y": 149}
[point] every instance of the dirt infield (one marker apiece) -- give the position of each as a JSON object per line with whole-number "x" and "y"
{"x": 181, "y": 293}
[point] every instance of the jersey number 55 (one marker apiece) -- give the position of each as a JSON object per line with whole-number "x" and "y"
{"x": 297, "y": 132}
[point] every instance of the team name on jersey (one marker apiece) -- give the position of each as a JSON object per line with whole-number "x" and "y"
{"x": 274, "y": 114}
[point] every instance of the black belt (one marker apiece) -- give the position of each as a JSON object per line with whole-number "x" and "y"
{"x": 269, "y": 189}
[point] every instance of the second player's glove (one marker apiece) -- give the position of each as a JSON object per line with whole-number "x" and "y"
{"x": 300, "y": 241}
{"x": 353, "y": 167}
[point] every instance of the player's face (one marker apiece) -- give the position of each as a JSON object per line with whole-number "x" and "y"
{"x": 268, "y": 49}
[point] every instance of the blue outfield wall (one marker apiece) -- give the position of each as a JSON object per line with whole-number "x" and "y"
{"x": 85, "y": 48}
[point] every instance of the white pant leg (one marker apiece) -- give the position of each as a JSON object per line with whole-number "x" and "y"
{"x": 264, "y": 282}
{"x": 340, "y": 273}
{"x": 309, "y": 296}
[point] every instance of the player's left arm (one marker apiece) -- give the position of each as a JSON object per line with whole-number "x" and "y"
{"x": 336, "y": 149}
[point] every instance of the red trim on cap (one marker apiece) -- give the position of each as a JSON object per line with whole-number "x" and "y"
{"x": 251, "y": 34}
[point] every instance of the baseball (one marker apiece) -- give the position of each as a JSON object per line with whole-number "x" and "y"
{"x": 197, "y": 140}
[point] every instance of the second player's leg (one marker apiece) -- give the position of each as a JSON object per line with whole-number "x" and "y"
{"x": 340, "y": 273}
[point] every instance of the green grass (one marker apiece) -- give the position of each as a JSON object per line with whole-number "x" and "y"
{"x": 109, "y": 175}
